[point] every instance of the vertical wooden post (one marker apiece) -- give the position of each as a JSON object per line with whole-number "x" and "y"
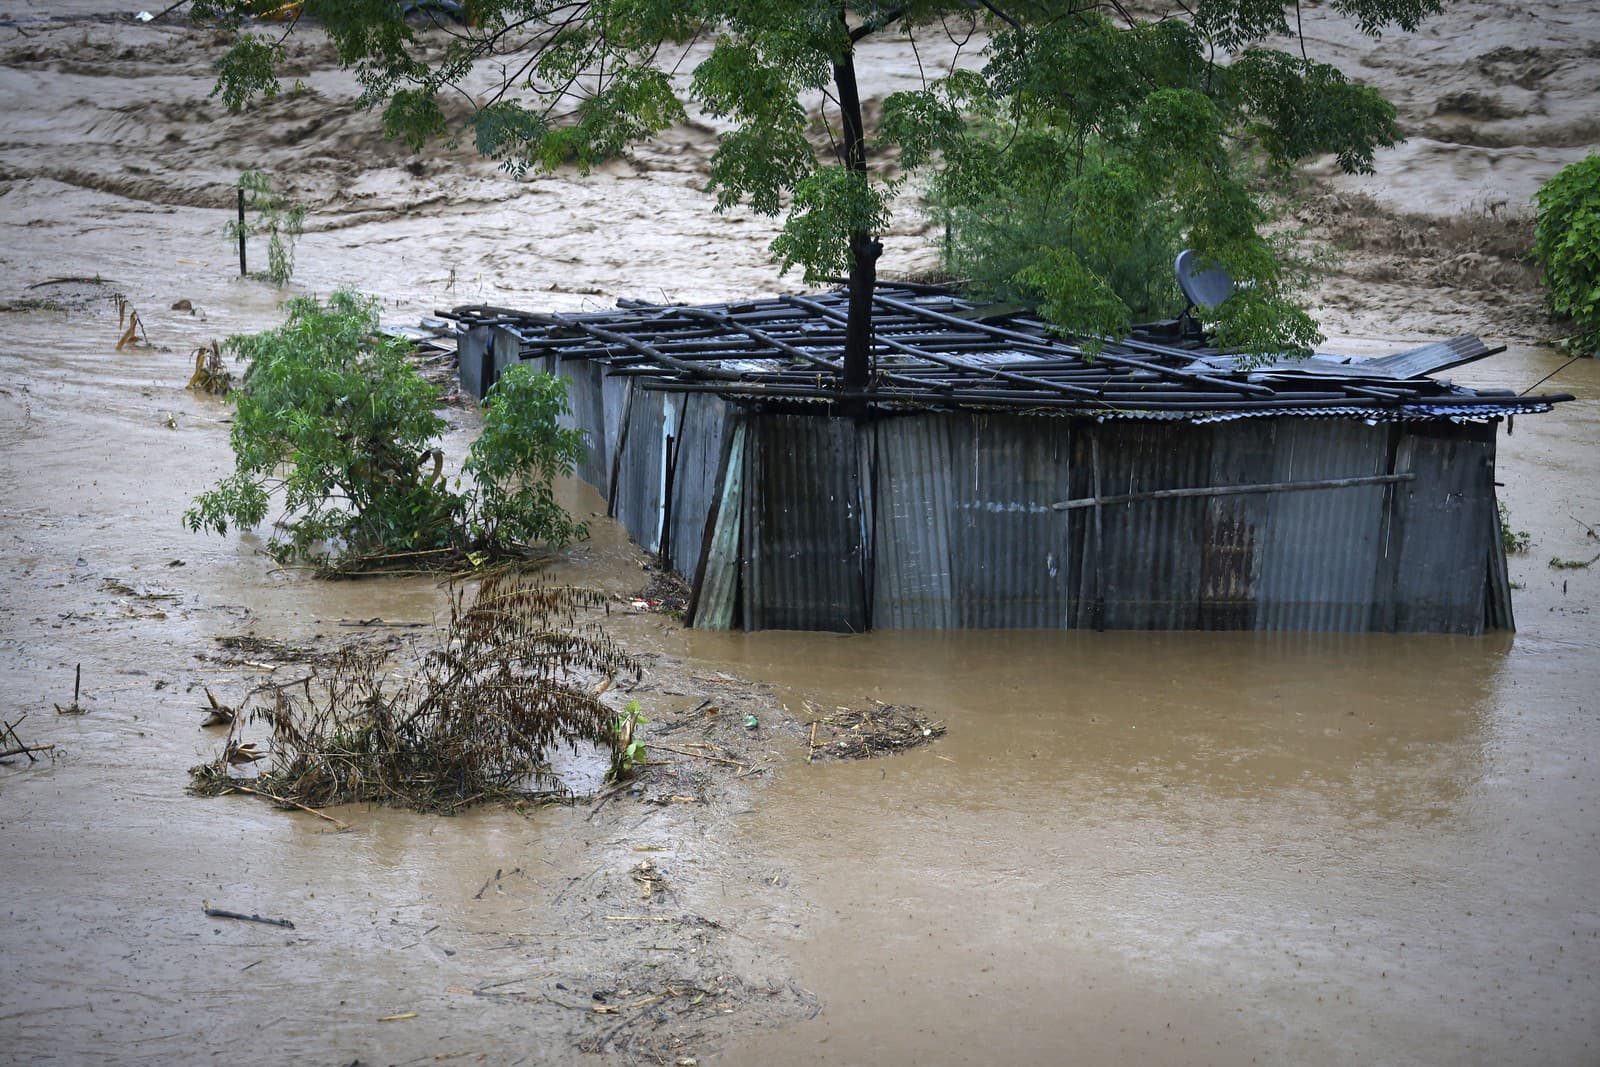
{"x": 242, "y": 271}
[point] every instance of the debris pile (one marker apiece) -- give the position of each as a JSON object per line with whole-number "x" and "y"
{"x": 468, "y": 721}
{"x": 879, "y": 730}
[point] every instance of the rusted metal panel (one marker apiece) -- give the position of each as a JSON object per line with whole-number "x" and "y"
{"x": 1146, "y": 556}
{"x": 1323, "y": 550}
{"x": 1009, "y": 554}
{"x": 915, "y": 507}
{"x": 803, "y": 525}
{"x": 1230, "y": 567}
{"x": 1444, "y": 522}
{"x": 696, "y": 458}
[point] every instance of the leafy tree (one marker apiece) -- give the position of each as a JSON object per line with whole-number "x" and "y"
{"x": 1566, "y": 242}
{"x": 335, "y": 420}
{"x": 1162, "y": 113}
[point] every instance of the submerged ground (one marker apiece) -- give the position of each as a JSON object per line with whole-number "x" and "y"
{"x": 1181, "y": 848}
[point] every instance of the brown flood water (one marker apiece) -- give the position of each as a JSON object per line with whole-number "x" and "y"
{"x": 1128, "y": 847}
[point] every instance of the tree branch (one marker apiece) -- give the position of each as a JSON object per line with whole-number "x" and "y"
{"x": 1013, "y": 23}
{"x": 869, "y": 28}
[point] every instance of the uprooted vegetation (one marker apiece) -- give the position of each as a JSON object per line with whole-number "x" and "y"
{"x": 468, "y": 721}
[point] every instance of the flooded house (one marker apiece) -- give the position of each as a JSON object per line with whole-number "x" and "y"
{"x": 993, "y": 476}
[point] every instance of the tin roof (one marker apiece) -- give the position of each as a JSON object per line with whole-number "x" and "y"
{"x": 935, "y": 351}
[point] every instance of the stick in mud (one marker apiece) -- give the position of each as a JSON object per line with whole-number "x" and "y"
{"x": 223, "y": 913}
{"x": 77, "y": 684}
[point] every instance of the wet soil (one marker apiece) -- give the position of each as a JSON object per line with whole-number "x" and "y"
{"x": 1178, "y": 848}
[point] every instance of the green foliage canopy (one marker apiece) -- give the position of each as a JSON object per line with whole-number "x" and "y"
{"x": 335, "y": 420}
{"x": 1122, "y": 115}
{"x": 1566, "y": 242}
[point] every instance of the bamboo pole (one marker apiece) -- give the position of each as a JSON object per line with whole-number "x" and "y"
{"x": 1098, "y": 501}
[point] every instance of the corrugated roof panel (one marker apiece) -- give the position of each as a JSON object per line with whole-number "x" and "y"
{"x": 913, "y": 511}
{"x": 1009, "y": 551}
{"x": 1322, "y": 551}
{"x": 802, "y": 526}
{"x": 1429, "y": 359}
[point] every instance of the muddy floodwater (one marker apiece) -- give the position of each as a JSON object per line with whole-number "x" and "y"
{"x": 1160, "y": 848}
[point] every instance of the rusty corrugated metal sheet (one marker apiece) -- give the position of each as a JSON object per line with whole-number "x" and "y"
{"x": 803, "y": 525}
{"x": 1009, "y": 552}
{"x": 914, "y": 509}
{"x": 1323, "y": 550}
{"x": 1445, "y": 527}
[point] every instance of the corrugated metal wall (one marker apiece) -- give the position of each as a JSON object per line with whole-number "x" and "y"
{"x": 585, "y": 394}
{"x": 1146, "y": 556}
{"x": 916, "y": 510}
{"x": 697, "y": 456}
{"x": 1231, "y": 543}
{"x": 803, "y": 525}
{"x": 1321, "y": 550}
{"x": 1445, "y": 529}
{"x": 1009, "y": 552}
{"x": 636, "y": 500}
{"x": 944, "y": 520}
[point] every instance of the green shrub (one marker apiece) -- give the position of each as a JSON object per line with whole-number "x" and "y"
{"x": 1566, "y": 244}
{"x": 517, "y": 458}
{"x": 335, "y": 420}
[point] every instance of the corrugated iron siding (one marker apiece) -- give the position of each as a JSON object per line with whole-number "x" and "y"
{"x": 1230, "y": 570}
{"x": 585, "y": 388}
{"x": 915, "y": 511}
{"x": 717, "y": 578}
{"x": 473, "y": 360}
{"x": 642, "y": 468}
{"x": 803, "y": 525}
{"x": 1149, "y": 564}
{"x": 697, "y": 455}
{"x": 942, "y": 520}
{"x": 1445, "y": 528}
{"x": 1010, "y": 560}
{"x": 1322, "y": 550}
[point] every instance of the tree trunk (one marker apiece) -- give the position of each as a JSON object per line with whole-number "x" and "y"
{"x": 864, "y": 247}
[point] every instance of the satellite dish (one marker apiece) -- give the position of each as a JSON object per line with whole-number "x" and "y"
{"x": 1204, "y": 284}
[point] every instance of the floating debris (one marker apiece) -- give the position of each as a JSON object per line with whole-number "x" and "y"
{"x": 881, "y": 730}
